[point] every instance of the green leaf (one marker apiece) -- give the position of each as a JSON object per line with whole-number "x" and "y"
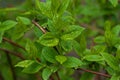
{"x": 118, "y": 52}
{"x": 63, "y": 6}
{"x": 23, "y": 20}
{"x": 24, "y": 63}
{"x": 31, "y": 49}
{"x": 115, "y": 77}
{"x": 72, "y": 62}
{"x": 93, "y": 58}
{"x": 46, "y": 73}
{"x": 99, "y": 39}
{"x": 1, "y": 35}
{"x": 49, "y": 40}
{"x": 49, "y": 54}
{"x": 87, "y": 76}
{"x": 7, "y": 25}
{"x": 116, "y": 30}
{"x": 44, "y": 7}
{"x": 66, "y": 45}
{"x": 114, "y": 2}
{"x": 72, "y": 32}
{"x": 61, "y": 59}
{"x": 111, "y": 60}
{"x": 33, "y": 68}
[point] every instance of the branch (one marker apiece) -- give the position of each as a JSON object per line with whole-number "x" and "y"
{"x": 40, "y": 27}
{"x": 13, "y": 53}
{"x": 13, "y": 43}
{"x": 93, "y": 72}
{"x": 11, "y": 66}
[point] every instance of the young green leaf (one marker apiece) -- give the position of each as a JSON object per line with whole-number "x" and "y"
{"x": 93, "y": 58}
{"x": 115, "y": 77}
{"x": 61, "y": 59}
{"x": 31, "y": 48}
{"x": 63, "y": 6}
{"x": 33, "y": 68}
{"x": 6, "y": 25}
{"x": 72, "y": 62}
{"x": 24, "y": 63}
{"x": 99, "y": 39}
{"x": 66, "y": 45}
{"x": 49, "y": 40}
{"x": 71, "y": 32}
{"x": 23, "y": 20}
{"x": 46, "y": 73}
{"x": 114, "y": 2}
{"x": 49, "y": 54}
{"x": 111, "y": 60}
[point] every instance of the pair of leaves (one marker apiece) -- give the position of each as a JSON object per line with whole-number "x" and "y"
{"x": 30, "y": 66}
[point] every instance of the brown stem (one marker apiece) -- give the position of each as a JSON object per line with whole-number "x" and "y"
{"x": 40, "y": 27}
{"x": 13, "y": 43}
{"x": 58, "y": 78}
{"x": 93, "y": 72}
{"x": 13, "y": 53}
{"x": 11, "y": 66}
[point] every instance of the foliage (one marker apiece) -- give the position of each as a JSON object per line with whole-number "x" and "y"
{"x": 44, "y": 33}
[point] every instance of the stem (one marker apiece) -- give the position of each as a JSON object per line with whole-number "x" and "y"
{"x": 13, "y": 43}
{"x": 40, "y": 27}
{"x": 11, "y": 66}
{"x": 57, "y": 75}
{"x": 13, "y": 53}
{"x": 93, "y": 72}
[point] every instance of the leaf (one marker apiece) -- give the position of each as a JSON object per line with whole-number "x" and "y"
{"x": 114, "y": 2}
{"x": 61, "y": 59}
{"x": 72, "y": 32}
{"x": 99, "y": 39}
{"x": 111, "y": 60}
{"x": 116, "y": 30}
{"x": 24, "y": 63}
{"x": 1, "y": 35}
{"x": 33, "y": 68}
{"x": 6, "y": 25}
{"x": 46, "y": 73}
{"x": 49, "y": 40}
{"x": 44, "y": 7}
{"x": 118, "y": 52}
{"x": 72, "y": 62}
{"x": 115, "y": 77}
{"x": 63, "y": 6}
{"x": 23, "y": 20}
{"x": 31, "y": 49}
{"x": 49, "y": 54}
{"x": 77, "y": 48}
{"x": 87, "y": 76}
{"x": 66, "y": 45}
{"x": 93, "y": 58}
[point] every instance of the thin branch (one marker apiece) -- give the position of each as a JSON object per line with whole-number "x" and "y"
{"x": 94, "y": 72}
{"x": 58, "y": 78}
{"x": 13, "y": 43}
{"x": 40, "y": 27}
{"x": 11, "y": 66}
{"x": 13, "y": 53}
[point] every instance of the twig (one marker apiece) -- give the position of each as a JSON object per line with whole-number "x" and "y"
{"x": 40, "y": 27}
{"x": 13, "y": 53}
{"x": 93, "y": 72}
{"x": 11, "y": 66}
{"x": 13, "y": 43}
{"x": 58, "y": 78}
